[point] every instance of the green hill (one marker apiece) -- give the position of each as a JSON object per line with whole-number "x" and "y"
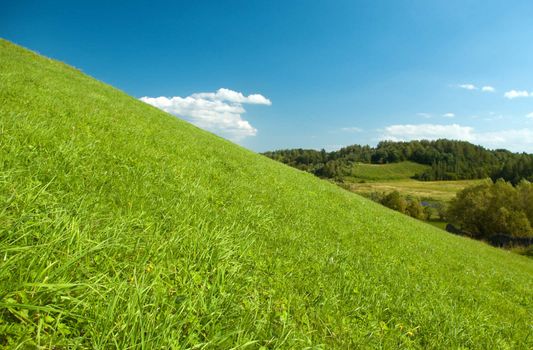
{"x": 124, "y": 227}
{"x": 386, "y": 172}
{"x": 444, "y": 160}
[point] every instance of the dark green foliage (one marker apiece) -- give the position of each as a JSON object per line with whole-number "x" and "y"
{"x": 448, "y": 160}
{"x": 415, "y": 210}
{"x": 395, "y": 201}
{"x": 408, "y": 206}
{"x": 428, "y": 212}
{"x": 494, "y": 208}
{"x": 441, "y": 210}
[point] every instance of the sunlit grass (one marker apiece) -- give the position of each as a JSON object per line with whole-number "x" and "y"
{"x": 124, "y": 227}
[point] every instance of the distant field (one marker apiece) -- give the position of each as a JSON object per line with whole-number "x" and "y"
{"x": 384, "y": 172}
{"x": 437, "y": 190}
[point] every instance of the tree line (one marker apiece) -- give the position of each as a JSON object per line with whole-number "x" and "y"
{"x": 447, "y": 160}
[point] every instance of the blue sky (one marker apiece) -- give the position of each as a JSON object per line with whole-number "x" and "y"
{"x": 312, "y": 74}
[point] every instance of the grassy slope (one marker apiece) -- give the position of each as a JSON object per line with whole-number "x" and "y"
{"x": 123, "y": 226}
{"x": 384, "y": 172}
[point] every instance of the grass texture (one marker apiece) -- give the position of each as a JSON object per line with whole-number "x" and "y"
{"x": 124, "y": 227}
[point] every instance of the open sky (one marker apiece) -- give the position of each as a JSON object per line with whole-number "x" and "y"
{"x": 304, "y": 73}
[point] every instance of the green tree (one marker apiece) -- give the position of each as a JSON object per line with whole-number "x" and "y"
{"x": 525, "y": 195}
{"x": 395, "y": 201}
{"x": 428, "y": 212}
{"x": 415, "y": 209}
{"x": 441, "y": 210}
{"x": 493, "y": 208}
{"x": 469, "y": 208}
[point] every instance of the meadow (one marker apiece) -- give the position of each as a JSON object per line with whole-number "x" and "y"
{"x": 364, "y": 172}
{"x": 426, "y": 190}
{"x": 124, "y": 227}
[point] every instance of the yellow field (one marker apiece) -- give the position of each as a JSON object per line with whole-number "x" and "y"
{"x": 437, "y": 190}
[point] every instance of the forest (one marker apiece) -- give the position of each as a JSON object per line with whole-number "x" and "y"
{"x": 447, "y": 160}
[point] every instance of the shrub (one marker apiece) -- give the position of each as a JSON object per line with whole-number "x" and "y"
{"x": 494, "y": 208}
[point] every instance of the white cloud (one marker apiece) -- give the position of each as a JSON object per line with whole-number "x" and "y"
{"x": 518, "y": 140}
{"x": 424, "y": 115}
{"x": 406, "y": 132}
{"x": 331, "y": 148}
{"x": 219, "y": 112}
{"x": 352, "y": 129}
{"x": 485, "y": 88}
{"x": 516, "y": 93}
{"x": 530, "y": 115}
{"x": 448, "y": 115}
{"x": 232, "y": 97}
{"x": 468, "y": 86}
{"x": 495, "y": 116}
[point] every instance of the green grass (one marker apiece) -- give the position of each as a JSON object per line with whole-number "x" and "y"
{"x": 435, "y": 190}
{"x": 124, "y": 227}
{"x": 385, "y": 172}
{"x": 438, "y": 223}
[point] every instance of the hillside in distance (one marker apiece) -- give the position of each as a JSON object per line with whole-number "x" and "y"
{"x": 444, "y": 160}
{"x": 122, "y": 226}
{"x": 384, "y": 172}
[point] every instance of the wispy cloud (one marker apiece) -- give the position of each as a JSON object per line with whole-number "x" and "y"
{"x": 513, "y": 139}
{"x": 517, "y": 94}
{"x": 530, "y": 115}
{"x": 493, "y": 117}
{"x": 219, "y": 112}
{"x": 333, "y": 147}
{"x": 485, "y": 88}
{"x": 448, "y": 115}
{"x": 424, "y": 115}
{"x": 406, "y": 132}
{"x": 467, "y": 86}
{"x": 518, "y": 140}
{"x": 352, "y": 129}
